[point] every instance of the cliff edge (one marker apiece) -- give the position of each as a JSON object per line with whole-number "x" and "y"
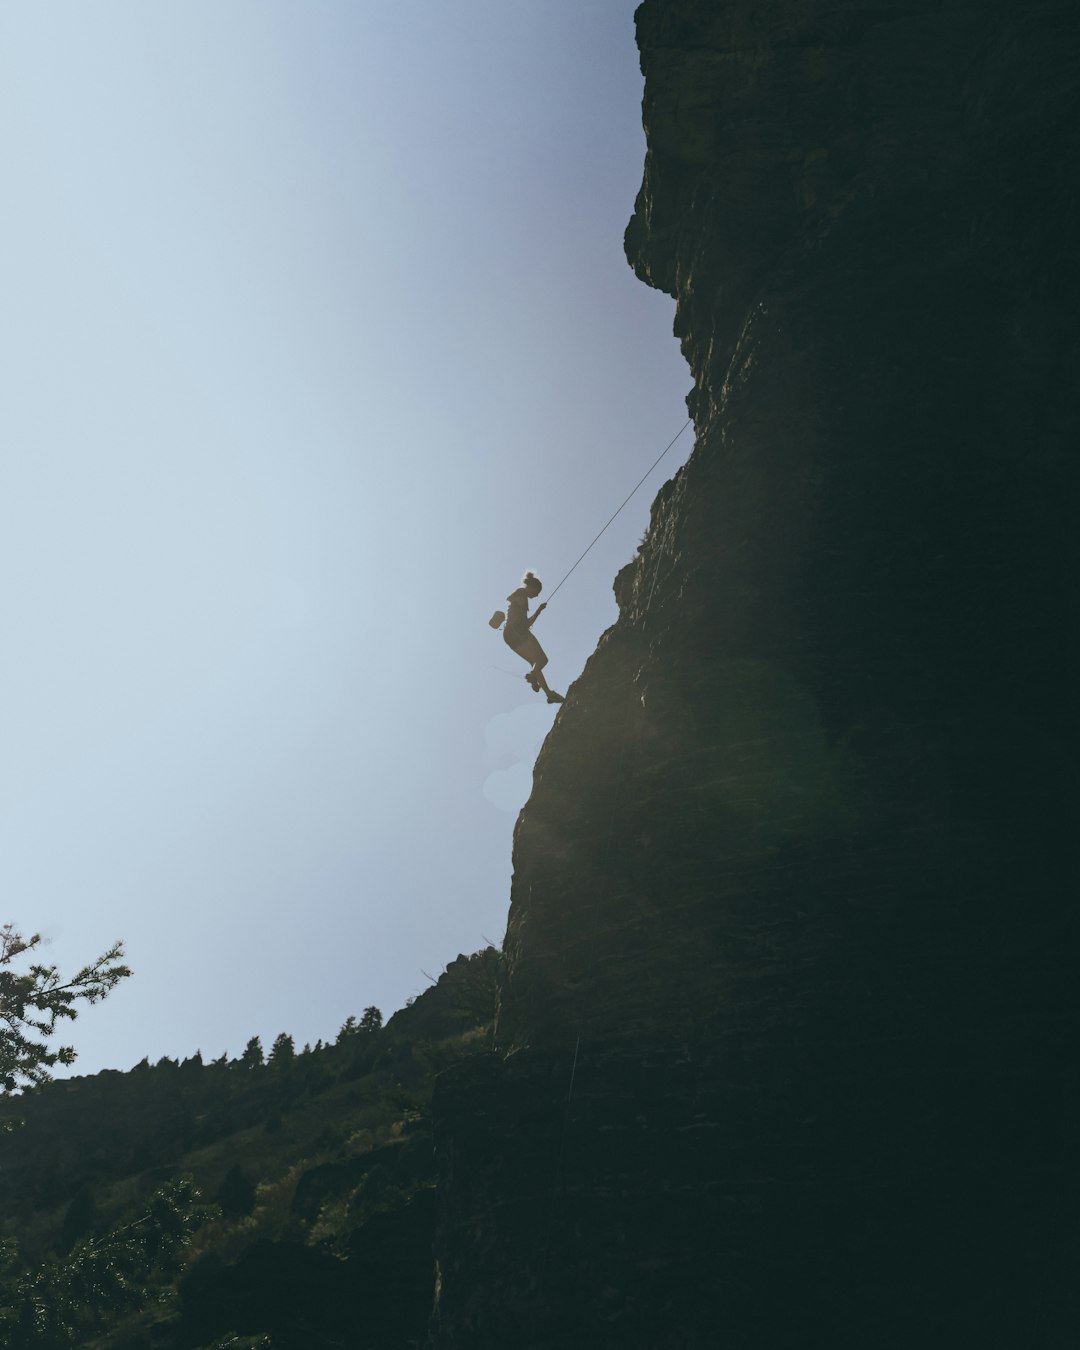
{"x": 786, "y": 1036}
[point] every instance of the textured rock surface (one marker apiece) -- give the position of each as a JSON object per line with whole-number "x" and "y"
{"x": 787, "y": 1037}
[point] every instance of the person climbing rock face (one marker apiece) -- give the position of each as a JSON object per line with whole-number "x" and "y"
{"x": 518, "y": 633}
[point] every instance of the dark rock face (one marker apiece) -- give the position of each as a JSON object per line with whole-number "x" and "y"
{"x": 789, "y": 1019}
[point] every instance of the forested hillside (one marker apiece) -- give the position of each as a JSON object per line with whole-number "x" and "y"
{"x": 282, "y": 1198}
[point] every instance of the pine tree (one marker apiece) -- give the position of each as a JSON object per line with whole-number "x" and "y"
{"x": 252, "y": 1057}
{"x": 66, "y": 1303}
{"x": 31, "y": 1004}
{"x": 282, "y": 1052}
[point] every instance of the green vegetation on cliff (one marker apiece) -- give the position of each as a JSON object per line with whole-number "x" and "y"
{"x": 281, "y": 1201}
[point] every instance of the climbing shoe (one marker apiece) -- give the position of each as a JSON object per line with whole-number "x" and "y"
{"x": 555, "y": 698}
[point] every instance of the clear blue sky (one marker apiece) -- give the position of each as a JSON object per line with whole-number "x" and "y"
{"x": 316, "y": 332}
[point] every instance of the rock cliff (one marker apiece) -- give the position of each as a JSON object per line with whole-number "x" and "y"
{"x": 787, "y": 1032}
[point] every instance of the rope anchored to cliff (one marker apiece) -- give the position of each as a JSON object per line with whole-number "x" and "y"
{"x": 518, "y": 634}
{"x": 634, "y": 489}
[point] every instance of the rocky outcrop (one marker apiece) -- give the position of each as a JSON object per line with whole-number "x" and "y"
{"x": 786, "y": 1037}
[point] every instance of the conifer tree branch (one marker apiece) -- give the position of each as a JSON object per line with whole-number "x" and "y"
{"x": 34, "y": 1000}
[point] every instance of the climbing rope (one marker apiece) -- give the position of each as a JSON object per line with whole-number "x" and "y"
{"x": 634, "y": 489}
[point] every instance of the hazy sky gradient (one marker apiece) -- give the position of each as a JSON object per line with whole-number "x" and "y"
{"x": 316, "y": 332}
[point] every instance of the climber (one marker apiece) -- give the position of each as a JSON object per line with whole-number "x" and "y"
{"x": 518, "y": 637}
